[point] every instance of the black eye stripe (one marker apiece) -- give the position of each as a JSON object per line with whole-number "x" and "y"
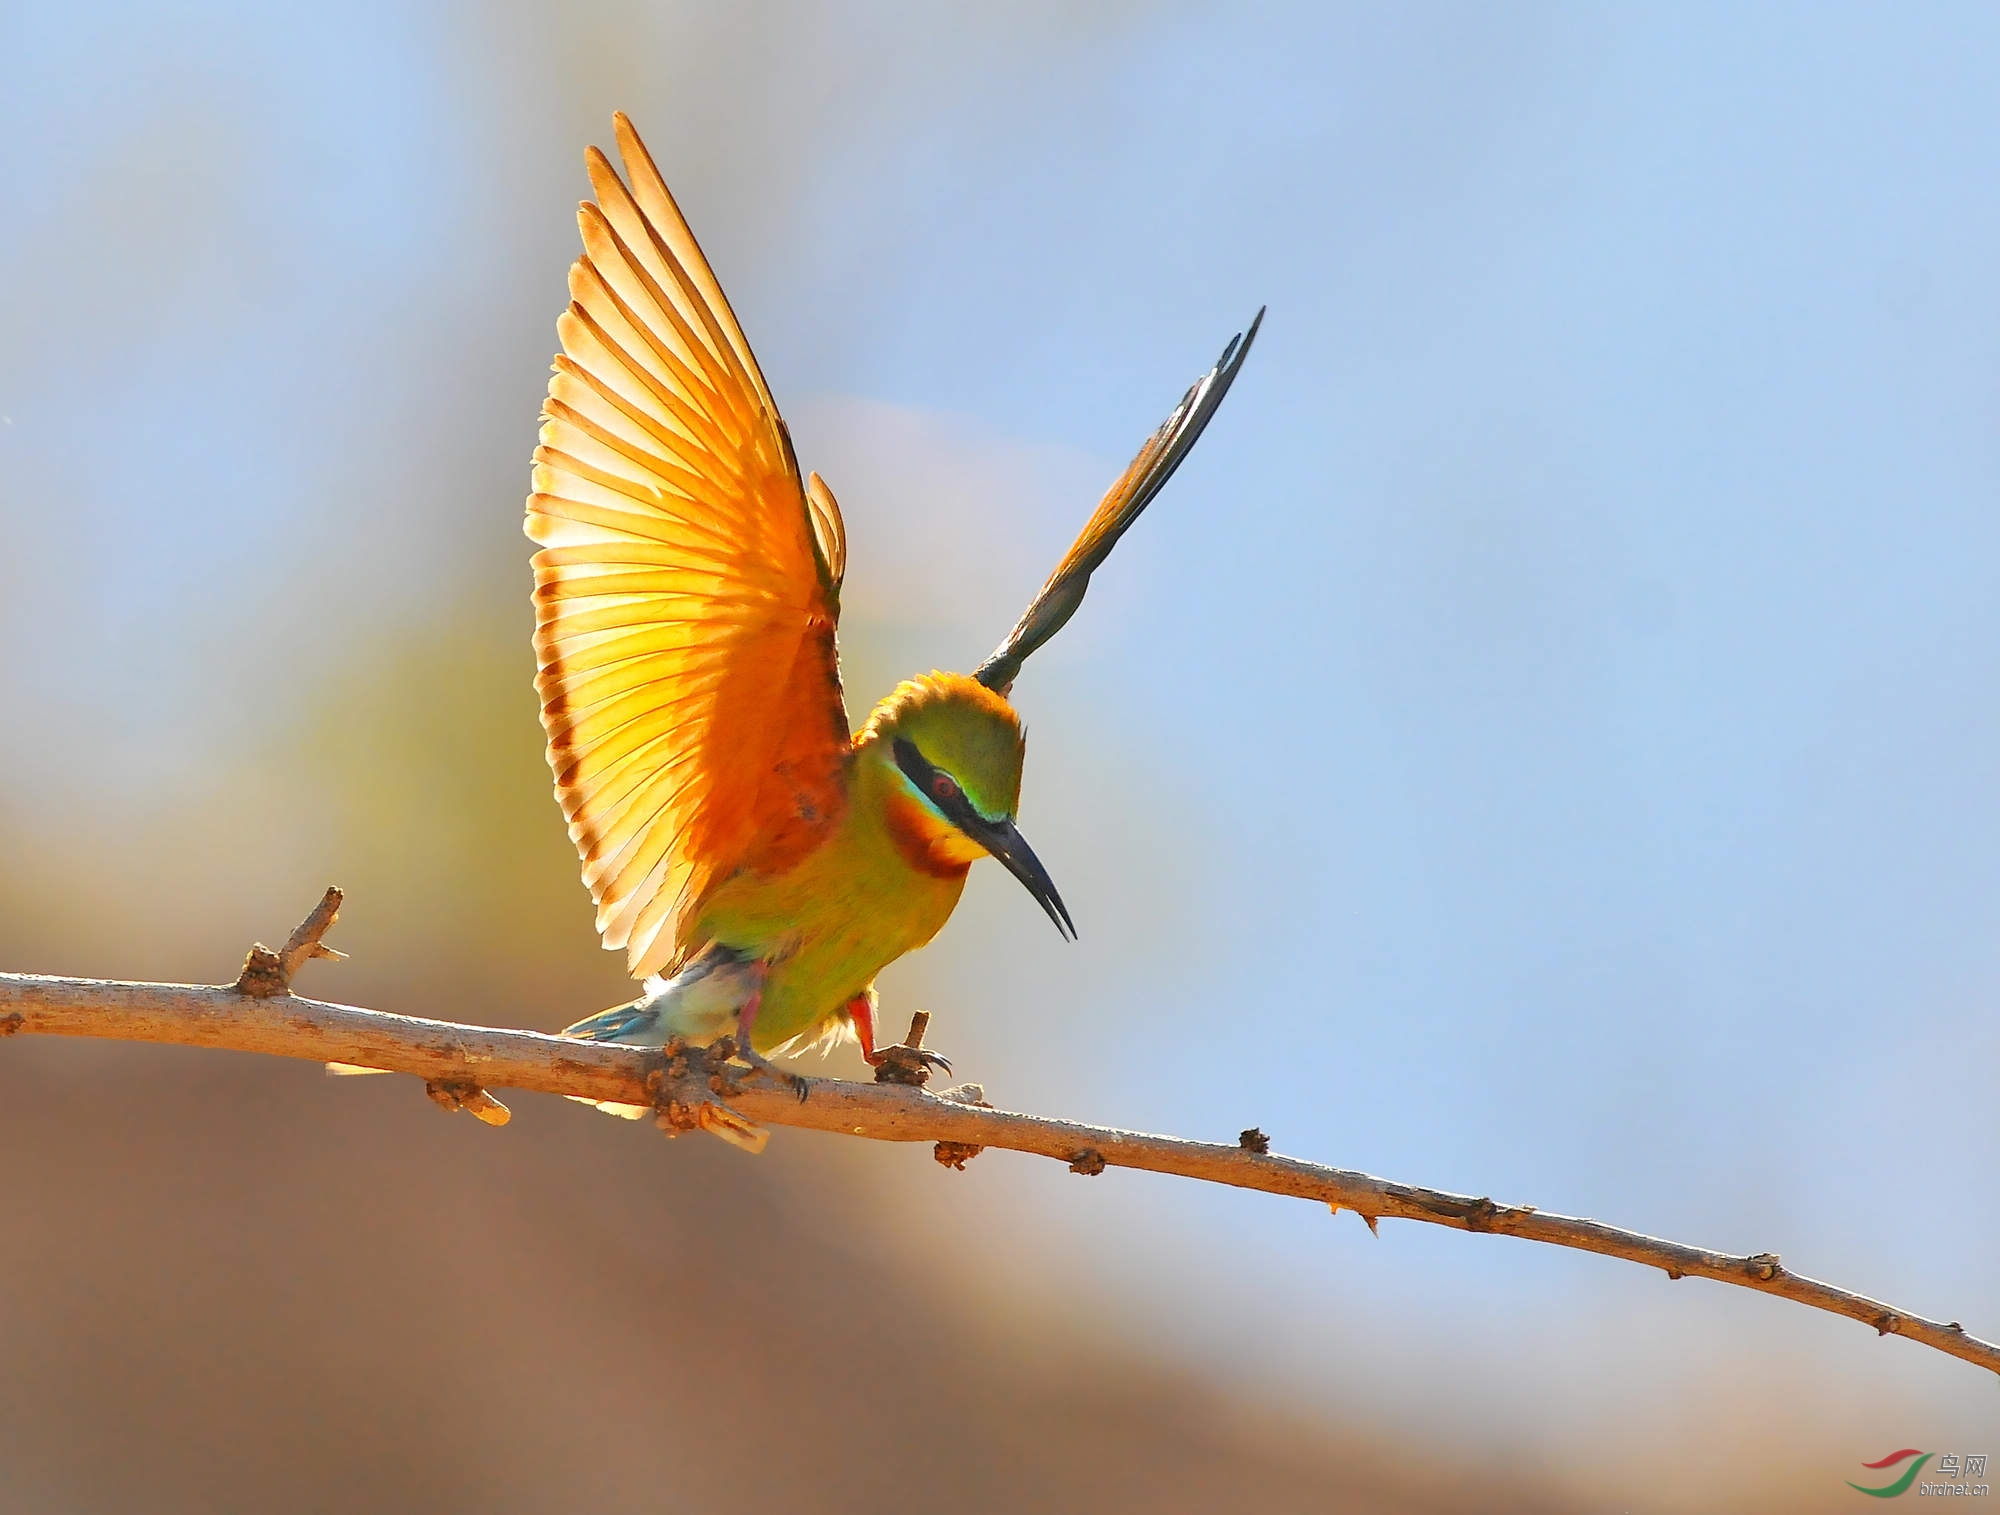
{"x": 916, "y": 768}
{"x": 923, "y": 773}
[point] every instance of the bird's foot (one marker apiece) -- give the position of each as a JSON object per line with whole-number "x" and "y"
{"x": 900, "y": 1064}
{"x": 909, "y": 1061}
{"x": 744, "y": 1050}
{"x": 739, "y": 1049}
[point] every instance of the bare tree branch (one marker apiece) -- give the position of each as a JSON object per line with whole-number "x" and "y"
{"x": 698, "y": 1089}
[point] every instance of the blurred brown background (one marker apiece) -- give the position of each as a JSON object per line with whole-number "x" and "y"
{"x": 1547, "y": 726}
{"x": 239, "y": 1284}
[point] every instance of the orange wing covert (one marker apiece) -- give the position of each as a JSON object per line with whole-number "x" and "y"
{"x": 687, "y": 588}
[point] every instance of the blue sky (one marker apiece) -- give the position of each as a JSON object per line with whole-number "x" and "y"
{"x": 1545, "y": 736}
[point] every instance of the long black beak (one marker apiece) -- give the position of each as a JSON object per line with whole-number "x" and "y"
{"x": 1004, "y": 842}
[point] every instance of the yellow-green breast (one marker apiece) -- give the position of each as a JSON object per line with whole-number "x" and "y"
{"x": 887, "y": 878}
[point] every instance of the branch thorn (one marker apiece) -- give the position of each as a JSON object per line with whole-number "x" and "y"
{"x": 457, "y": 1094}
{"x": 681, "y": 1066}
{"x": 955, "y": 1155}
{"x": 268, "y": 975}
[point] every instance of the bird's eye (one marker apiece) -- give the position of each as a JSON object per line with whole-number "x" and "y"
{"x": 943, "y": 787}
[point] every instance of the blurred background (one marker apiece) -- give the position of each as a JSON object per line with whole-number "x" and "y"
{"x": 1546, "y": 730}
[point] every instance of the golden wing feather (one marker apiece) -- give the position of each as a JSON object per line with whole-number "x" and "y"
{"x": 687, "y": 586}
{"x": 1143, "y": 478}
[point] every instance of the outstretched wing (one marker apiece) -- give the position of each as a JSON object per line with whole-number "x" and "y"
{"x": 1119, "y": 508}
{"x": 687, "y": 587}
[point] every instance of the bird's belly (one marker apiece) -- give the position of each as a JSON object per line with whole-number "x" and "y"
{"x": 824, "y": 945}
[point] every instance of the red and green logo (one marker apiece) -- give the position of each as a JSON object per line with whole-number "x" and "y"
{"x": 1901, "y": 1485}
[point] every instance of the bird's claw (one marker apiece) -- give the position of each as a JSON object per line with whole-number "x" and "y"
{"x": 899, "y": 1064}
{"x": 730, "y": 1047}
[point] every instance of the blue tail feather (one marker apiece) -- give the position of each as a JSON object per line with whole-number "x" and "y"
{"x": 614, "y": 1024}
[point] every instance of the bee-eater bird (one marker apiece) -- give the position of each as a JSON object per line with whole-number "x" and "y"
{"x": 756, "y": 861}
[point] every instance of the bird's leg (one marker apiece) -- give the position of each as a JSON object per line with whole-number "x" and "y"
{"x": 861, "y": 1010}
{"x": 907, "y": 1062}
{"x": 746, "y": 1020}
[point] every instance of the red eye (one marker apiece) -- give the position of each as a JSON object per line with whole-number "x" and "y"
{"x": 943, "y": 787}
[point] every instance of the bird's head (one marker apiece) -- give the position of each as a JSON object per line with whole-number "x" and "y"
{"x": 949, "y": 750}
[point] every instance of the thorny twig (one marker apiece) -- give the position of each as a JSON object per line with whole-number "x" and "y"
{"x": 459, "y": 1063}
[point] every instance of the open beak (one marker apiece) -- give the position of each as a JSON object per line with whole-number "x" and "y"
{"x": 1004, "y": 842}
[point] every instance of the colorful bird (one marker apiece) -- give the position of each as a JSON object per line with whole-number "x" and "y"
{"x": 757, "y": 862}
